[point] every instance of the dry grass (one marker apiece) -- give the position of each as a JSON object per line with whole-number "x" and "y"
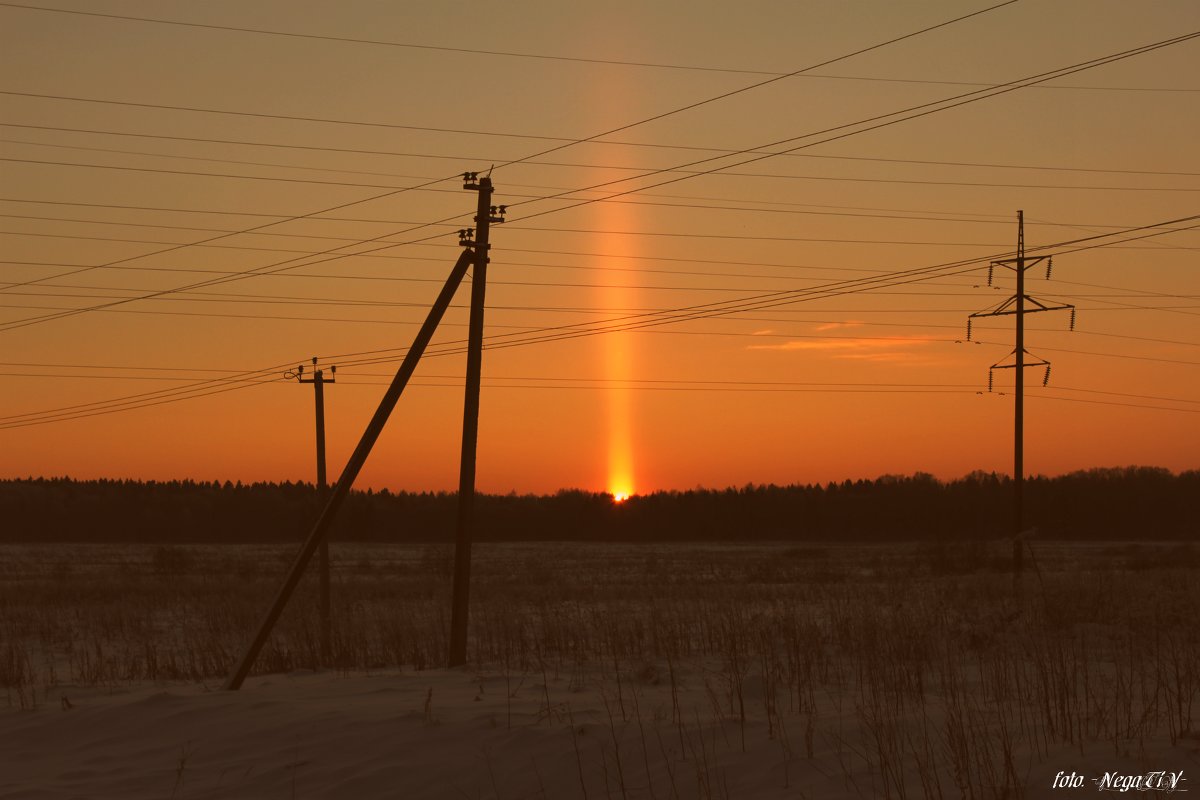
{"x": 915, "y": 669}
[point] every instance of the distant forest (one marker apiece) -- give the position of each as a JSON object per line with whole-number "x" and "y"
{"x": 1136, "y": 503}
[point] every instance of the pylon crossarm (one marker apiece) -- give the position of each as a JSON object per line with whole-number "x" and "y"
{"x": 1000, "y": 310}
{"x": 1026, "y": 365}
{"x": 1008, "y": 308}
{"x": 1026, "y": 261}
{"x": 1044, "y": 307}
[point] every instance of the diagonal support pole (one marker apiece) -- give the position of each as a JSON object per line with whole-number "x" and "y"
{"x": 353, "y": 466}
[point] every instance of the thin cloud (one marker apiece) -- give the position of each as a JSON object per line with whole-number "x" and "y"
{"x": 882, "y": 349}
{"x": 833, "y": 326}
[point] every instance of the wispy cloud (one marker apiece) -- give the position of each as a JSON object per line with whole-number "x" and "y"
{"x": 833, "y": 326}
{"x": 882, "y": 349}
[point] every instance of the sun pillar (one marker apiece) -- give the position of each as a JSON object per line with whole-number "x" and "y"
{"x": 609, "y": 99}
{"x": 617, "y": 298}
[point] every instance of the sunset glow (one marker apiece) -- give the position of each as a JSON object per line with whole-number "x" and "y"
{"x": 813, "y": 303}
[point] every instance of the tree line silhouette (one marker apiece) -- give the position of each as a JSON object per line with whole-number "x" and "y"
{"x": 1134, "y": 503}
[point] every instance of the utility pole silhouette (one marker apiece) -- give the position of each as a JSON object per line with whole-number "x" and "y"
{"x": 485, "y": 215}
{"x": 1018, "y": 306}
{"x": 318, "y": 380}
{"x": 341, "y": 489}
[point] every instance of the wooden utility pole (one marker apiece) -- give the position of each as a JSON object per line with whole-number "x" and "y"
{"x": 485, "y": 215}
{"x": 318, "y": 380}
{"x": 1018, "y": 306}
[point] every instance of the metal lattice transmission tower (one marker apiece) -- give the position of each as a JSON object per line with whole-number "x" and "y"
{"x": 1017, "y": 307}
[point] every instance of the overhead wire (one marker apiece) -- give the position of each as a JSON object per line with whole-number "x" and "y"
{"x": 285, "y": 265}
{"x": 1143, "y": 50}
{"x": 587, "y": 165}
{"x": 560, "y": 190}
{"x": 770, "y": 300}
{"x": 528, "y": 55}
{"x": 879, "y": 121}
{"x": 871, "y": 123}
{"x": 969, "y": 97}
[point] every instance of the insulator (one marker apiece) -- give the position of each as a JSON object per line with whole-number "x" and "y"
{"x": 1072, "y": 318}
{"x": 1049, "y": 266}
{"x": 968, "y": 330}
{"x": 1046, "y": 377}
{"x": 990, "y": 376}
{"x": 991, "y": 269}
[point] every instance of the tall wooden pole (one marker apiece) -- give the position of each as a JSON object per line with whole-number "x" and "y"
{"x": 460, "y": 608}
{"x": 322, "y": 492}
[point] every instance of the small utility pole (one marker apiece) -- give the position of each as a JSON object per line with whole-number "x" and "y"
{"x": 1017, "y": 306}
{"x": 318, "y": 380}
{"x": 477, "y": 239}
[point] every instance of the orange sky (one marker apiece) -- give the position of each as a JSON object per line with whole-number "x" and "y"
{"x": 823, "y": 387}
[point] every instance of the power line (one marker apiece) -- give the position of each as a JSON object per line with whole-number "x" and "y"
{"x": 205, "y": 387}
{"x": 770, "y": 300}
{"x": 558, "y": 194}
{"x": 895, "y": 117}
{"x": 725, "y": 95}
{"x": 906, "y": 215}
{"x": 583, "y": 165}
{"x": 880, "y": 121}
{"x": 60, "y": 315}
{"x": 543, "y": 56}
{"x": 644, "y": 320}
{"x": 734, "y": 92}
{"x": 268, "y": 269}
{"x": 582, "y": 231}
{"x": 641, "y": 330}
{"x": 1040, "y": 396}
{"x": 919, "y": 215}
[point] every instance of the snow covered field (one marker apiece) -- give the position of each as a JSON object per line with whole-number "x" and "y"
{"x": 604, "y": 671}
